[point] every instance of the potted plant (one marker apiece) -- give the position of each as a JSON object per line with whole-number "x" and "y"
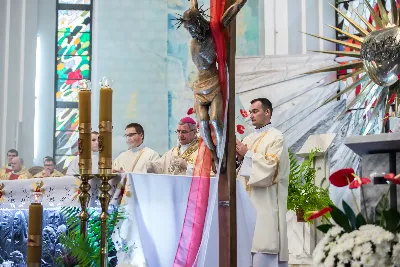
{"x": 304, "y": 196}
{"x": 354, "y": 240}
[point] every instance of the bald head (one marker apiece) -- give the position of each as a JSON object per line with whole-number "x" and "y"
{"x": 16, "y": 164}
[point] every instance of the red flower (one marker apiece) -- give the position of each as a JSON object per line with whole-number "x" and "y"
{"x": 342, "y": 177}
{"x": 358, "y": 182}
{"x": 244, "y": 113}
{"x": 374, "y": 104}
{"x": 317, "y": 214}
{"x": 1, "y": 194}
{"x": 386, "y": 118}
{"x": 240, "y": 129}
{"x": 73, "y": 76}
{"x": 391, "y": 177}
{"x": 190, "y": 111}
{"x": 392, "y": 98}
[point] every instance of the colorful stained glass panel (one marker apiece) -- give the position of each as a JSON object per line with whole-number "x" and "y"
{"x": 62, "y": 162}
{"x": 81, "y": 2}
{"x": 66, "y": 119}
{"x": 73, "y": 67}
{"x": 73, "y": 21}
{"x": 73, "y": 44}
{"x": 67, "y": 142}
{"x": 67, "y": 90}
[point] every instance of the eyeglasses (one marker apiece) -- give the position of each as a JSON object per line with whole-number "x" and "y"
{"x": 48, "y": 165}
{"x": 183, "y": 132}
{"x": 130, "y": 134}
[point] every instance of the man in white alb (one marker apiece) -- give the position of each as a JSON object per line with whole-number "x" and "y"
{"x": 73, "y": 167}
{"x": 179, "y": 160}
{"x": 264, "y": 171}
{"x": 138, "y": 155}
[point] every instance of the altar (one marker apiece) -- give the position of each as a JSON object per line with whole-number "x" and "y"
{"x": 155, "y": 207}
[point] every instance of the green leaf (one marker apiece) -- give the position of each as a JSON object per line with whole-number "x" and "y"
{"x": 324, "y": 227}
{"x": 380, "y": 207}
{"x": 350, "y": 214}
{"x": 360, "y": 221}
{"x": 391, "y": 220}
{"x": 340, "y": 218}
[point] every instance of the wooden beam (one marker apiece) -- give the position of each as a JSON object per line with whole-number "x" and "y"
{"x": 227, "y": 180}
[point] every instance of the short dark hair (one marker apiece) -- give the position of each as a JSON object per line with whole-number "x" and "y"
{"x": 139, "y": 128}
{"x": 50, "y": 159}
{"x": 265, "y": 103}
{"x": 95, "y": 132}
{"x": 13, "y": 151}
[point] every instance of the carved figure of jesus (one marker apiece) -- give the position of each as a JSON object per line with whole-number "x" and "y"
{"x": 206, "y": 88}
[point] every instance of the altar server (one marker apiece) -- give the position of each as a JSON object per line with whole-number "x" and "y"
{"x": 264, "y": 171}
{"x": 18, "y": 172}
{"x": 73, "y": 167}
{"x": 49, "y": 169}
{"x": 179, "y": 160}
{"x": 12, "y": 153}
{"x": 138, "y": 155}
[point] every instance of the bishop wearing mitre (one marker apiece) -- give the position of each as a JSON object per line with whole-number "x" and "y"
{"x": 180, "y": 159}
{"x": 138, "y": 155}
{"x": 264, "y": 171}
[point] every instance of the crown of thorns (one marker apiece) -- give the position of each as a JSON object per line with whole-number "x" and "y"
{"x": 179, "y": 18}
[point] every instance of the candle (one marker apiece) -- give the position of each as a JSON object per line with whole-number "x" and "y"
{"x": 35, "y": 232}
{"x": 85, "y": 116}
{"x": 105, "y": 127}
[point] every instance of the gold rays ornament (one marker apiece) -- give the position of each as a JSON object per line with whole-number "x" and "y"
{"x": 376, "y": 59}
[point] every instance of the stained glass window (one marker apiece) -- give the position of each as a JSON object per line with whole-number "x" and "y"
{"x": 73, "y": 58}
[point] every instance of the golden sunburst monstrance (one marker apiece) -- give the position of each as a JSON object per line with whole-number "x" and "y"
{"x": 377, "y": 57}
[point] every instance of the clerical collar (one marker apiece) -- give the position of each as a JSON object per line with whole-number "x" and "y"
{"x": 136, "y": 149}
{"x": 264, "y": 128}
{"x": 95, "y": 153}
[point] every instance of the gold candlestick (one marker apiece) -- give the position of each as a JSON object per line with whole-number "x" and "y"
{"x": 105, "y": 162}
{"x": 85, "y": 151}
{"x": 105, "y": 175}
{"x": 35, "y": 231}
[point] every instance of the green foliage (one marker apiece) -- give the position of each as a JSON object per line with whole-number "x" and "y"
{"x": 82, "y": 251}
{"x": 303, "y": 194}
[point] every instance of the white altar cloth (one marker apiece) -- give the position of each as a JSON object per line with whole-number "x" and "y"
{"x": 157, "y": 204}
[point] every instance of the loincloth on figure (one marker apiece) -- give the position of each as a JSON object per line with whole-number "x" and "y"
{"x": 206, "y": 87}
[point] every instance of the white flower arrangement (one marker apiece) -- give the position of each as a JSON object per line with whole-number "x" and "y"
{"x": 370, "y": 245}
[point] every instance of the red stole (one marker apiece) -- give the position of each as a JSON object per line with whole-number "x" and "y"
{"x": 14, "y": 176}
{"x": 8, "y": 170}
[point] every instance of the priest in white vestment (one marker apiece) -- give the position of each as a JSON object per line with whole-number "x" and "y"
{"x": 264, "y": 171}
{"x": 179, "y": 160}
{"x": 73, "y": 167}
{"x": 138, "y": 155}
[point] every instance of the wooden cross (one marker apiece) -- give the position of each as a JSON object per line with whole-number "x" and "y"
{"x": 227, "y": 180}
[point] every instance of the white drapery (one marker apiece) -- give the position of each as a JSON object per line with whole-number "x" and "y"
{"x": 156, "y": 206}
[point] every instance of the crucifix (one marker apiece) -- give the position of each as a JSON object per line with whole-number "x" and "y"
{"x": 209, "y": 88}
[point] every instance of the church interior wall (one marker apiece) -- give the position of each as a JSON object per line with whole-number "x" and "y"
{"x": 147, "y": 58}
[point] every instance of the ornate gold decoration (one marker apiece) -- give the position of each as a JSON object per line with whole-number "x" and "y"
{"x": 376, "y": 59}
{"x": 34, "y": 241}
{"x": 101, "y": 146}
{"x": 85, "y": 166}
{"x": 80, "y": 146}
{"x": 105, "y": 163}
{"x": 84, "y": 198}
{"x": 85, "y": 128}
{"x": 105, "y": 126}
{"x": 194, "y": 146}
{"x": 104, "y": 198}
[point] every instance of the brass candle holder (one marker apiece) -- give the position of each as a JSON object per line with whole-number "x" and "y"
{"x": 105, "y": 175}
{"x": 105, "y": 162}
{"x": 85, "y": 151}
